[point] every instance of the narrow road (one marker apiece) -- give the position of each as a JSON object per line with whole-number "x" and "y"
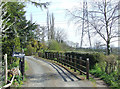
{"x": 45, "y": 74}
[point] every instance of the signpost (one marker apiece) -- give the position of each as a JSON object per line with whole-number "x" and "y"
{"x": 21, "y": 62}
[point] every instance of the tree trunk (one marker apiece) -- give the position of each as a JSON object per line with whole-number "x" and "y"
{"x": 108, "y": 47}
{"x": 106, "y": 68}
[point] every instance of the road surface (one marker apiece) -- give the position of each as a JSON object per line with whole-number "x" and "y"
{"x": 46, "y": 74}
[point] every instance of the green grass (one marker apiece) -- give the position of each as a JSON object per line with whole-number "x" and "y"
{"x": 26, "y": 66}
{"x": 18, "y": 81}
{"x": 110, "y": 79}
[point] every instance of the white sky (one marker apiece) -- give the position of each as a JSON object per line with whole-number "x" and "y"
{"x": 58, "y": 8}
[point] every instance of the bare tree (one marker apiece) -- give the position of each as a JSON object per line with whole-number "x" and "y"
{"x": 103, "y": 19}
{"x": 40, "y": 33}
{"x": 60, "y": 35}
{"x": 52, "y": 32}
{"x": 50, "y": 25}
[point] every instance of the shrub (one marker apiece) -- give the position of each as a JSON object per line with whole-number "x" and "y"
{"x": 54, "y": 45}
{"x": 110, "y": 79}
{"x": 29, "y": 50}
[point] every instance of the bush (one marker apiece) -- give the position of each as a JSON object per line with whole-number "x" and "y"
{"x": 29, "y": 50}
{"x": 110, "y": 79}
{"x": 54, "y": 45}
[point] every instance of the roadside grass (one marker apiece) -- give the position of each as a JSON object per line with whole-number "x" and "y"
{"x": 26, "y": 66}
{"x": 18, "y": 79}
{"x": 110, "y": 79}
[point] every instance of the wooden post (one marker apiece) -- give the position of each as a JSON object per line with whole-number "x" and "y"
{"x": 75, "y": 59}
{"x": 62, "y": 59}
{"x": 57, "y": 57}
{"x": 22, "y": 66}
{"x": 47, "y": 55}
{"x": 5, "y": 58}
{"x": 80, "y": 64}
{"x": 87, "y": 68}
{"x": 67, "y": 60}
{"x": 70, "y": 61}
{"x": 52, "y": 56}
{"x": 43, "y": 54}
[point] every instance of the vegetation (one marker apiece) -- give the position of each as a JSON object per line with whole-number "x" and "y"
{"x": 18, "y": 33}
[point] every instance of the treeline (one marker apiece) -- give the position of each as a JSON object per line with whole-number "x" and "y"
{"x": 19, "y": 34}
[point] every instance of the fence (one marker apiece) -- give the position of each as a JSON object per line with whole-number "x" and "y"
{"x": 68, "y": 60}
{"x": 6, "y": 74}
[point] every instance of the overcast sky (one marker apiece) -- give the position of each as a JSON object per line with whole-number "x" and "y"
{"x": 58, "y": 8}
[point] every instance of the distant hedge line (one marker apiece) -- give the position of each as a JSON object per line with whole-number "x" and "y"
{"x": 93, "y": 57}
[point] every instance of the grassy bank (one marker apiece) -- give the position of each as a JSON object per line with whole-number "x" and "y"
{"x": 18, "y": 79}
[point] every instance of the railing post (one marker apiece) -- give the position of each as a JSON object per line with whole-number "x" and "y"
{"x": 44, "y": 54}
{"x": 58, "y": 57}
{"x": 70, "y": 61}
{"x": 75, "y": 59}
{"x": 65, "y": 61}
{"x": 80, "y": 64}
{"x": 87, "y": 68}
{"x": 53, "y": 56}
{"x": 50, "y": 55}
{"x": 47, "y": 55}
{"x": 61, "y": 58}
{"x": 5, "y": 58}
